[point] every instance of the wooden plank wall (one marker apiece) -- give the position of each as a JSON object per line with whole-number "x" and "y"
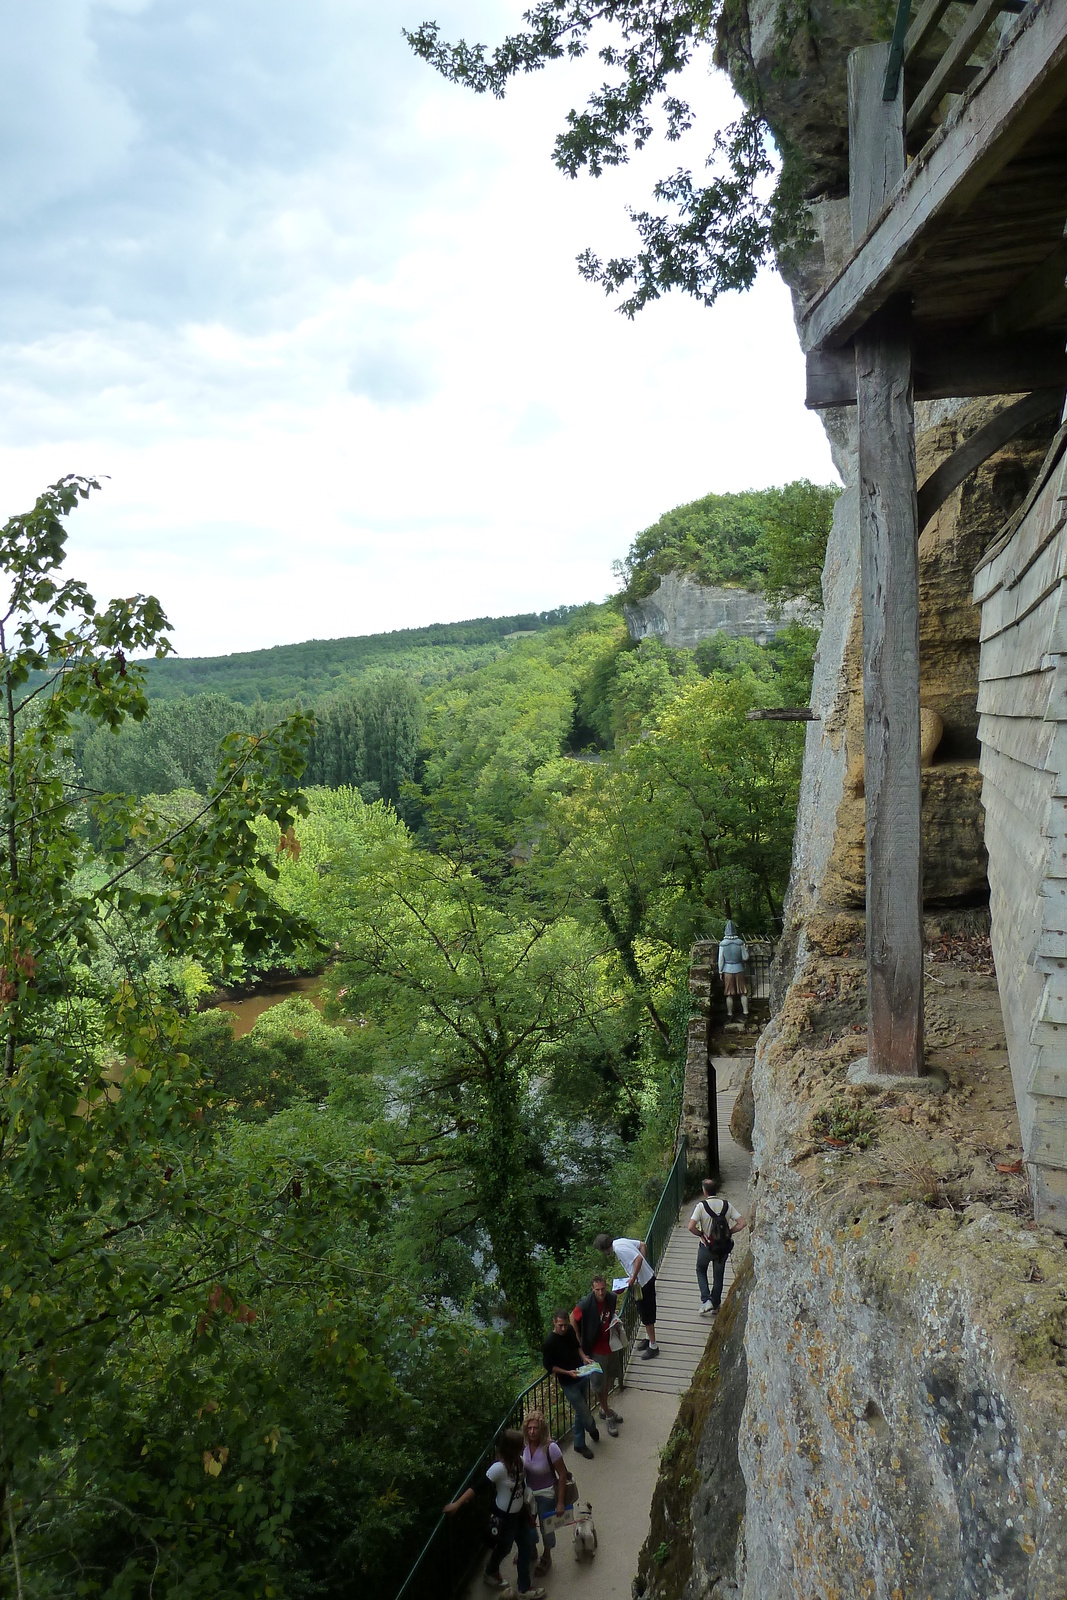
{"x": 1022, "y": 702}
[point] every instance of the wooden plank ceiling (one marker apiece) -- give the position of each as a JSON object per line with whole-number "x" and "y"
{"x": 973, "y": 235}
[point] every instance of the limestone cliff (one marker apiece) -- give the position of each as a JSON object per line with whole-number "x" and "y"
{"x": 904, "y": 1434}
{"x": 682, "y": 612}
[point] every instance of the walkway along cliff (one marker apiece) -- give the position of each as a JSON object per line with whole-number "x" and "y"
{"x": 884, "y": 1412}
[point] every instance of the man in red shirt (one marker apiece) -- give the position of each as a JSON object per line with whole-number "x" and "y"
{"x": 591, "y": 1320}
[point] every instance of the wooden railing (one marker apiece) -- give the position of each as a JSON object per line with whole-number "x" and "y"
{"x": 448, "y": 1558}
{"x": 941, "y": 46}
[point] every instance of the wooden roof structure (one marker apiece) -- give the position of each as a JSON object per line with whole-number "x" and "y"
{"x": 973, "y": 233}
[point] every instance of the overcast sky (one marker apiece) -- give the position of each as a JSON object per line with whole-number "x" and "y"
{"x": 316, "y": 315}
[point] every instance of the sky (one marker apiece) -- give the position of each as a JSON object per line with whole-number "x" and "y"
{"x": 313, "y": 317}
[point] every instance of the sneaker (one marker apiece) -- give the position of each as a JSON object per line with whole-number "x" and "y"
{"x": 594, "y": 1434}
{"x": 531, "y": 1594}
{"x": 642, "y": 1344}
{"x": 614, "y": 1416}
{"x": 650, "y": 1353}
{"x": 613, "y": 1428}
{"x": 706, "y": 1308}
{"x": 493, "y": 1580}
{"x": 583, "y": 1450}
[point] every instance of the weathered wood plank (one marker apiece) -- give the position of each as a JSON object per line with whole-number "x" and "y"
{"x": 1026, "y": 696}
{"x": 1024, "y": 647}
{"x": 889, "y": 567}
{"x": 1024, "y": 739}
{"x": 1027, "y": 789}
{"x": 875, "y": 138}
{"x": 1014, "y": 365}
{"x": 923, "y": 28}
{"x": 1052, "y": 1017}
{"x": 1011, "y": 99}
{"x": 890, "y": 580}
{"x": 1044, "y": 520}
{"x": 946, "y": 75}
{"x": 1013, "y": 603}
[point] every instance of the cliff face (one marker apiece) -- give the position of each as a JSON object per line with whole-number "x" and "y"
{"x": 905, "y": 1424}
{"x": 682, "y": 612}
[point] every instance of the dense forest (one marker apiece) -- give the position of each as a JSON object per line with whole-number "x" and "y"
{"x": 324, "y": 666}
{"x": 263, "y": 1297}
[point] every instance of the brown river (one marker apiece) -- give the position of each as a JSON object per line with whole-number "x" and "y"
{"x": 246, "y": 1012}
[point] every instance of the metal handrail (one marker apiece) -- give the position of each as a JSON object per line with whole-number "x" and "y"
{"x": 446, "y": 1559}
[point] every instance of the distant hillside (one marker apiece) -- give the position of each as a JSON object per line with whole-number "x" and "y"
{"x": 321, "y": 666}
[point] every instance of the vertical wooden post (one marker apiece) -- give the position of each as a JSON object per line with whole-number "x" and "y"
{"x": 889, "y": 547}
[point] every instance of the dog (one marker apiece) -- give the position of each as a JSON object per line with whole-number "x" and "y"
{"x": 584, "y": 1533}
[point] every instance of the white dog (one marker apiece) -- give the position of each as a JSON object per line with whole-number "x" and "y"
{"x": 584, "y": 1534}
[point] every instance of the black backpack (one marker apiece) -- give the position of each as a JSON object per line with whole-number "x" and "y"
{"x": 720, "y": 1240}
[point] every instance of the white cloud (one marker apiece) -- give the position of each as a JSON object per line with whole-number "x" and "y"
{"x": 317, "y": 315}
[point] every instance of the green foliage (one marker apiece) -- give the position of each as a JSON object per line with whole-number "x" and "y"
{"x": 369, "y": 737}
{"x": 844, "y": 1123}
{"x": 99, "y": 1176}
{"x": 175, "y": 746}
{"x": 767, "y": 539}
{"x": 719, "y": 231}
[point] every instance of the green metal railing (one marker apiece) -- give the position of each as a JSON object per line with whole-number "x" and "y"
{"x": 448, "y": 1557}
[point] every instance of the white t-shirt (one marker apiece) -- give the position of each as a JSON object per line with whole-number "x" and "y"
{"x": 506, "y": 1493}
{"x": 717, "y": 1202}
{"x": 626, "y": 1250}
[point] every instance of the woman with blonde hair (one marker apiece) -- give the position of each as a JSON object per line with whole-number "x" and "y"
{"x": 546, "y": 1474}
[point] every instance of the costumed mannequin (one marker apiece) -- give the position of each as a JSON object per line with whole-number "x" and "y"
{"x": 733, "y": 955}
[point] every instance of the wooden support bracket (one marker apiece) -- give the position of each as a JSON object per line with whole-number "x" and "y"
{"x": 982, "y": 444}
{"x": 1017, "y": 365}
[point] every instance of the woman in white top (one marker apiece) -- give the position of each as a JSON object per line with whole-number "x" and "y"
{"x": 516, "y": 1513}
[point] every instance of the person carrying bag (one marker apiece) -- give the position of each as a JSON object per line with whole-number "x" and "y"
{"x": 714, "y": 1222}
{"x": 513, "y": 1518}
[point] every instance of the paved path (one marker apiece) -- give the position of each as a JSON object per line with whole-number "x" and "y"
{"x": 619, "y": 1481}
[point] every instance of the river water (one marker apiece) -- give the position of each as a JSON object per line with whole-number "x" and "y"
{"x": 246, "y": 1012}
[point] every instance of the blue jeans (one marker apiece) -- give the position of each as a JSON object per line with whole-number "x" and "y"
{"x": 517, "y": 1530}
{"x": 576, "y": 1390}
{"x": 546, "y": 1507}
{"x": 705, "y": 1259}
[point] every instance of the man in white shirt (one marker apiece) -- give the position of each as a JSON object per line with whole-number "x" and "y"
{"x": 631, "y": 1256}
{"x": 714, "y": 1222}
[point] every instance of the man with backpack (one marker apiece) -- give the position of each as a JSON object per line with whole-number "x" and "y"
{"x": 714, "y": 1222}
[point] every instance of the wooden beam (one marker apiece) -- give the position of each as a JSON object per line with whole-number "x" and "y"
{"x": 1015, "y": 94}
{"x": 944, "y": 78}
{"x": 875, "y": 138}
{"x": 943, "y": 372}
{"x": 889, "y": 576}
{"x": 889, "y": 559}
{"x": 782, "y": 714}
{"x": 982, "y": 444}
{"x": 923, "y": 28}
